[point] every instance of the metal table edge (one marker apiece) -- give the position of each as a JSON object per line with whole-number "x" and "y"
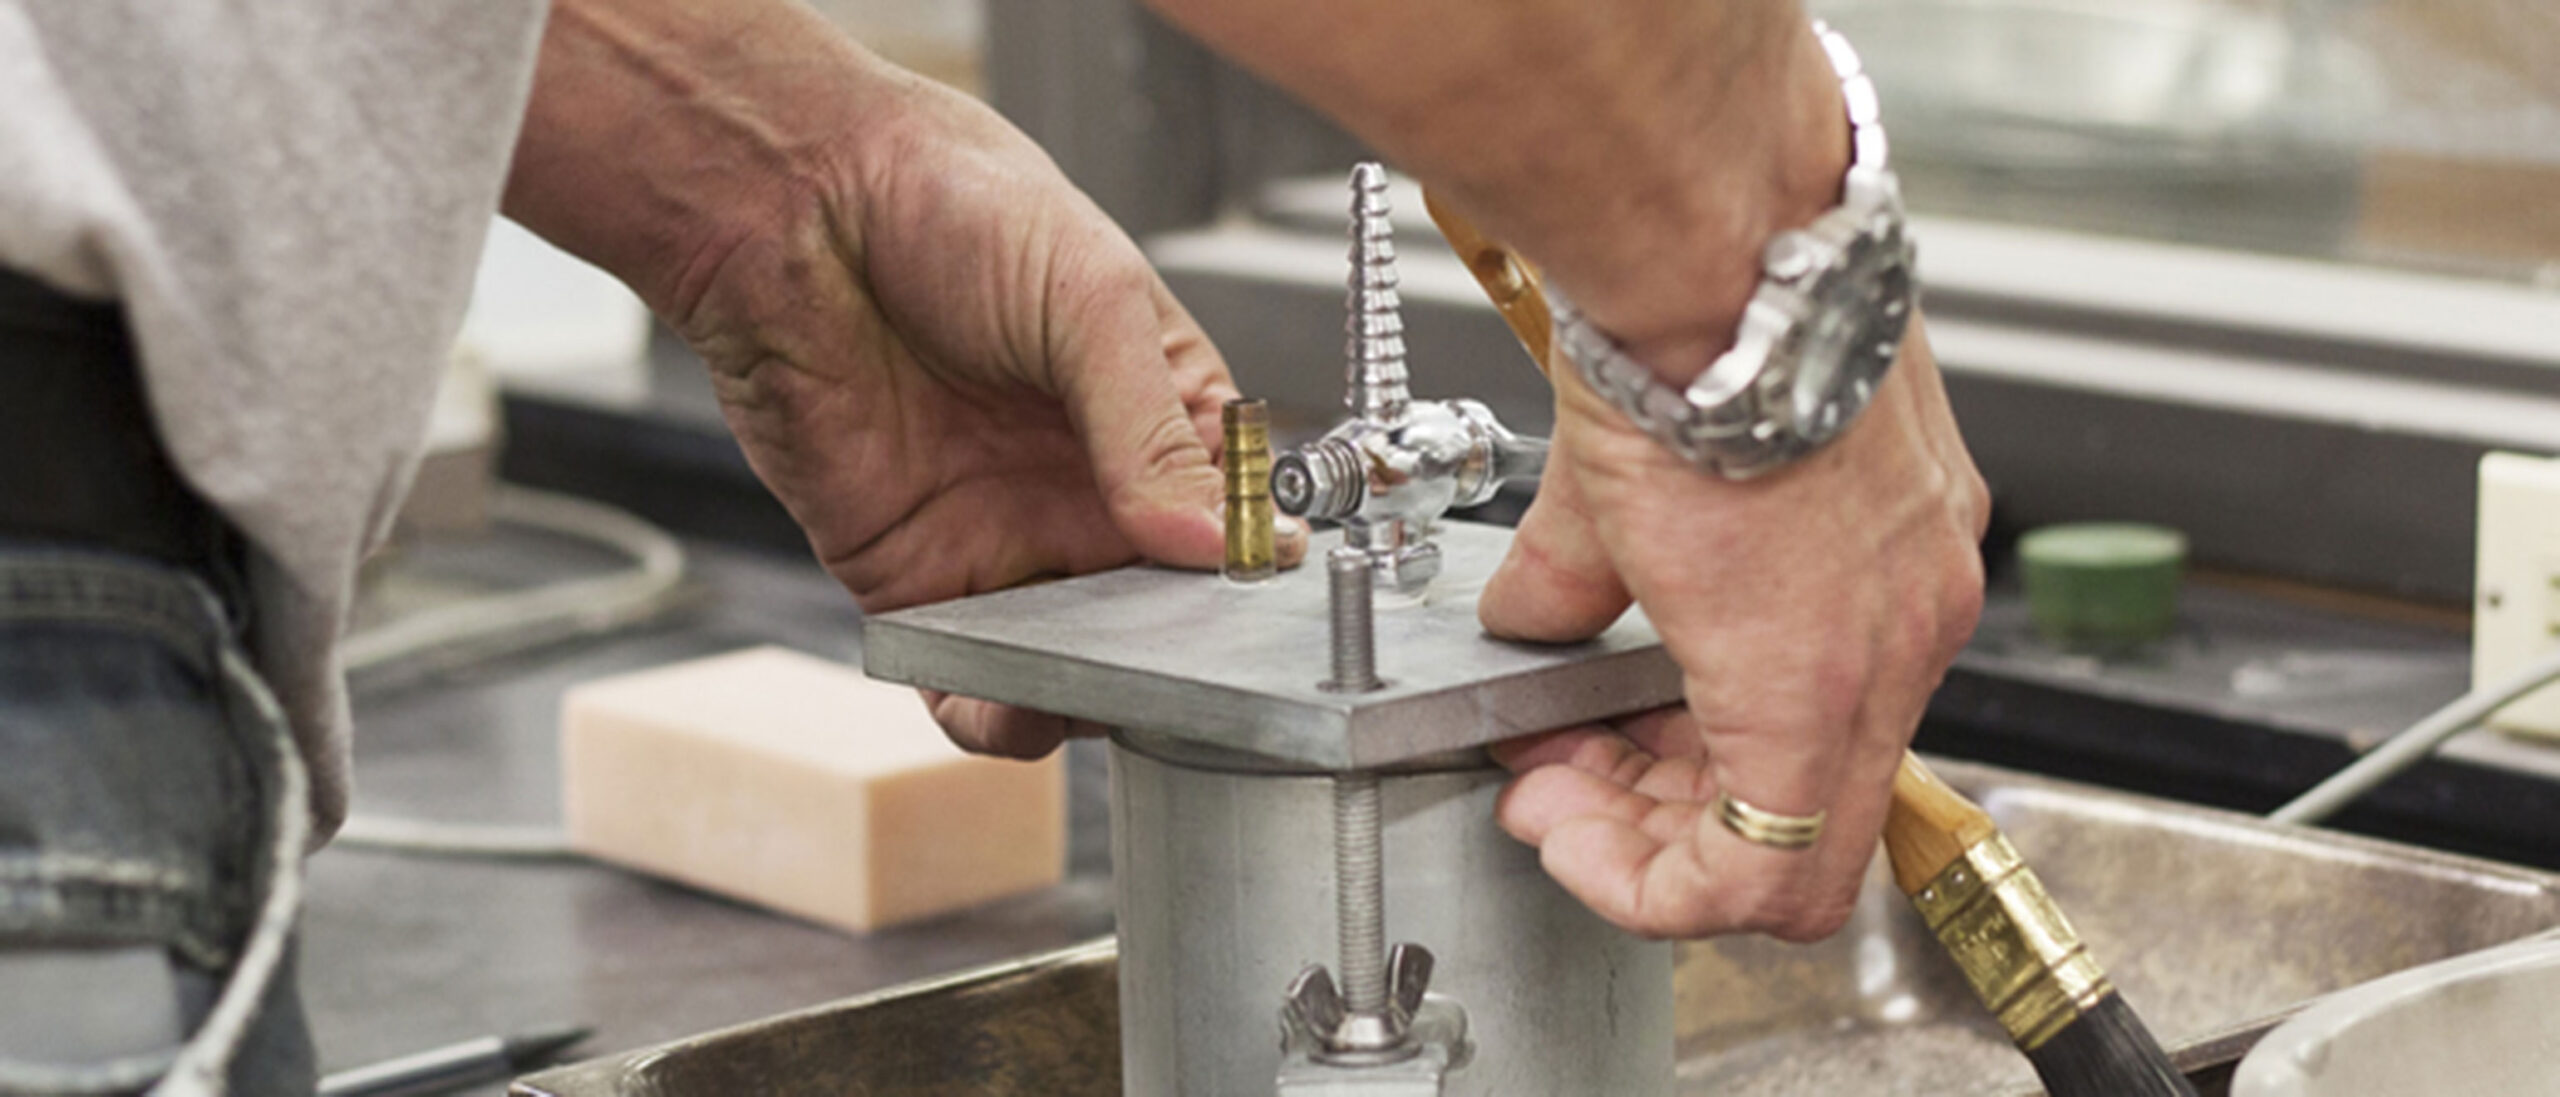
{"x": 598, "y": 1077}
{"x": 2212, "y": 1051}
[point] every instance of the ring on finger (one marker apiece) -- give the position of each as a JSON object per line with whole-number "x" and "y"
{"x": 1761, "y": 826}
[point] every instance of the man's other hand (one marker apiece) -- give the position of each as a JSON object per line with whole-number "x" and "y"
{"x": 950, "y": 366}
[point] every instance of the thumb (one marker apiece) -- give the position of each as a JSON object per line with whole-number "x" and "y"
{"x": 1557, "y": 583}
{"x": 1149, "y": 461}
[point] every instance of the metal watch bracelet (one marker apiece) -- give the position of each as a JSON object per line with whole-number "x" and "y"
{"x": 1841, "y": 286}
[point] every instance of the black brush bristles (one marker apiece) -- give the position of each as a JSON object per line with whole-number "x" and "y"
{"x": 2108, "y": 1053}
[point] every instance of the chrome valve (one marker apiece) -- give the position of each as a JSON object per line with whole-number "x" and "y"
{"x": 1397, "y": 464}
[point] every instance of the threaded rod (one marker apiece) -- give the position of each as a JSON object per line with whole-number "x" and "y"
{"x": 1360, "y": 892}
{"x": 1355, "y": 657}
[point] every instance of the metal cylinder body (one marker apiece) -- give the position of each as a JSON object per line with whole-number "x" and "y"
{"x": 1226, "y": 890}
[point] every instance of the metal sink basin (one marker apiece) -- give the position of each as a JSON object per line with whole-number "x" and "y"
{"x": 2213, "y": 925}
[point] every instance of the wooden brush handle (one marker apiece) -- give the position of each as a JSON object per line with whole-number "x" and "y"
{"x": 1509, "y": 280}
{"x": 1929, "y": 826}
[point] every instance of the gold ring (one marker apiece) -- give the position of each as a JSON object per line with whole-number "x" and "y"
{"x": 1768, "y": 828}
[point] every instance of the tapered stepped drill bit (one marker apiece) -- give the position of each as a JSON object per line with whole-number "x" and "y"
{"x": 1376, "y": 389}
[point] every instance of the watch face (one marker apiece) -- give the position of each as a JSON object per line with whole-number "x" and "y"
{"x": 1855, "y": 313}
{"x": 1822, "y": 363}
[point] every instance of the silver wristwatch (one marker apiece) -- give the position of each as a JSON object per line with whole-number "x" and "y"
{"x": 1816, "y": 338}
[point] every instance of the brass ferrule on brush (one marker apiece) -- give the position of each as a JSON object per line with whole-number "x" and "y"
{"x": 2022, "y": 957}
{"x": 1251, "y": 554}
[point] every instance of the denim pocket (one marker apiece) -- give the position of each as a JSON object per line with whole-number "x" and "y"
{"x": 152, "y": 797}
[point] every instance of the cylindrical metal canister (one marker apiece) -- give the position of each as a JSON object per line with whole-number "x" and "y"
{"x": 1225, "y": 877}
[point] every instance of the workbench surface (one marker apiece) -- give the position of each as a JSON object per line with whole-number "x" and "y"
{"x": 401, "y": 952}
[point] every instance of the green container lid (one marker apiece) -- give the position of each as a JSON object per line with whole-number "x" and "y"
{"x": 2103, "y": 586}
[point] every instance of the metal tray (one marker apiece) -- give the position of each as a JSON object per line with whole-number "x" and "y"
{"x": 2214, "y": 926}
{"x": 2479, "y": 1023}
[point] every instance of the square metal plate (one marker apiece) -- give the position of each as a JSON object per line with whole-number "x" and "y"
{"x": 1190, "y": 655}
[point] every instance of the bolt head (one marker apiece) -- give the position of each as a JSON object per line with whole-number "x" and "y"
{"x": 1292, "y": 486}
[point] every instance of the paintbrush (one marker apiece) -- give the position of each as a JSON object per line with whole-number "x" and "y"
{"x": 2017, "y": 951}
{"x": 2023, "y": 959}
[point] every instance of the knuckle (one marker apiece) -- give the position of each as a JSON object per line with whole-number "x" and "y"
{"x": 1808, "y": 925}
{"x": 1840, "y": 687}
{"x": 1089, "y": 272}
{"x": 1671, "y": 927}
{"x": 1919, "y": 621}
{"x": 1164, "y": 453}
{"x": 1959, "y": 600}
{"x": 1975, "y": 504}
{"x": 1960, "y": 612}
{"x": 1800, "y": 903}
{"x": 1807, "y": 912}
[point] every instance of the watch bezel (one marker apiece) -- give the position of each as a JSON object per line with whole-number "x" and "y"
{"x": 1868, "y": 278}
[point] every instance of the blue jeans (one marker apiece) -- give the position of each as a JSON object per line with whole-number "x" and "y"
{"x": 153, "y": 821}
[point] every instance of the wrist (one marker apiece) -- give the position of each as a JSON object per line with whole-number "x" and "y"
{"x": 1673, "y": 297}
{"x": 661, "y": 135}
{"x": 1817, "y": 336}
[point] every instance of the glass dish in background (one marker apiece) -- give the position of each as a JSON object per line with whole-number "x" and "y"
{"x": 2413, "y": 132}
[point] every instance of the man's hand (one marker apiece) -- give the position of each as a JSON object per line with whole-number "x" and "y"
{"x": 1812, "y": 613}
{"x": 1642, "y": 152}
{"x": 958, "y": 374}
{"x": 950, "y": 366}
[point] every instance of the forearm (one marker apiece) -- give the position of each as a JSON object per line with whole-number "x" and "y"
{"x": 663, "y": 133}
{"x": 1642, "y": 151}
